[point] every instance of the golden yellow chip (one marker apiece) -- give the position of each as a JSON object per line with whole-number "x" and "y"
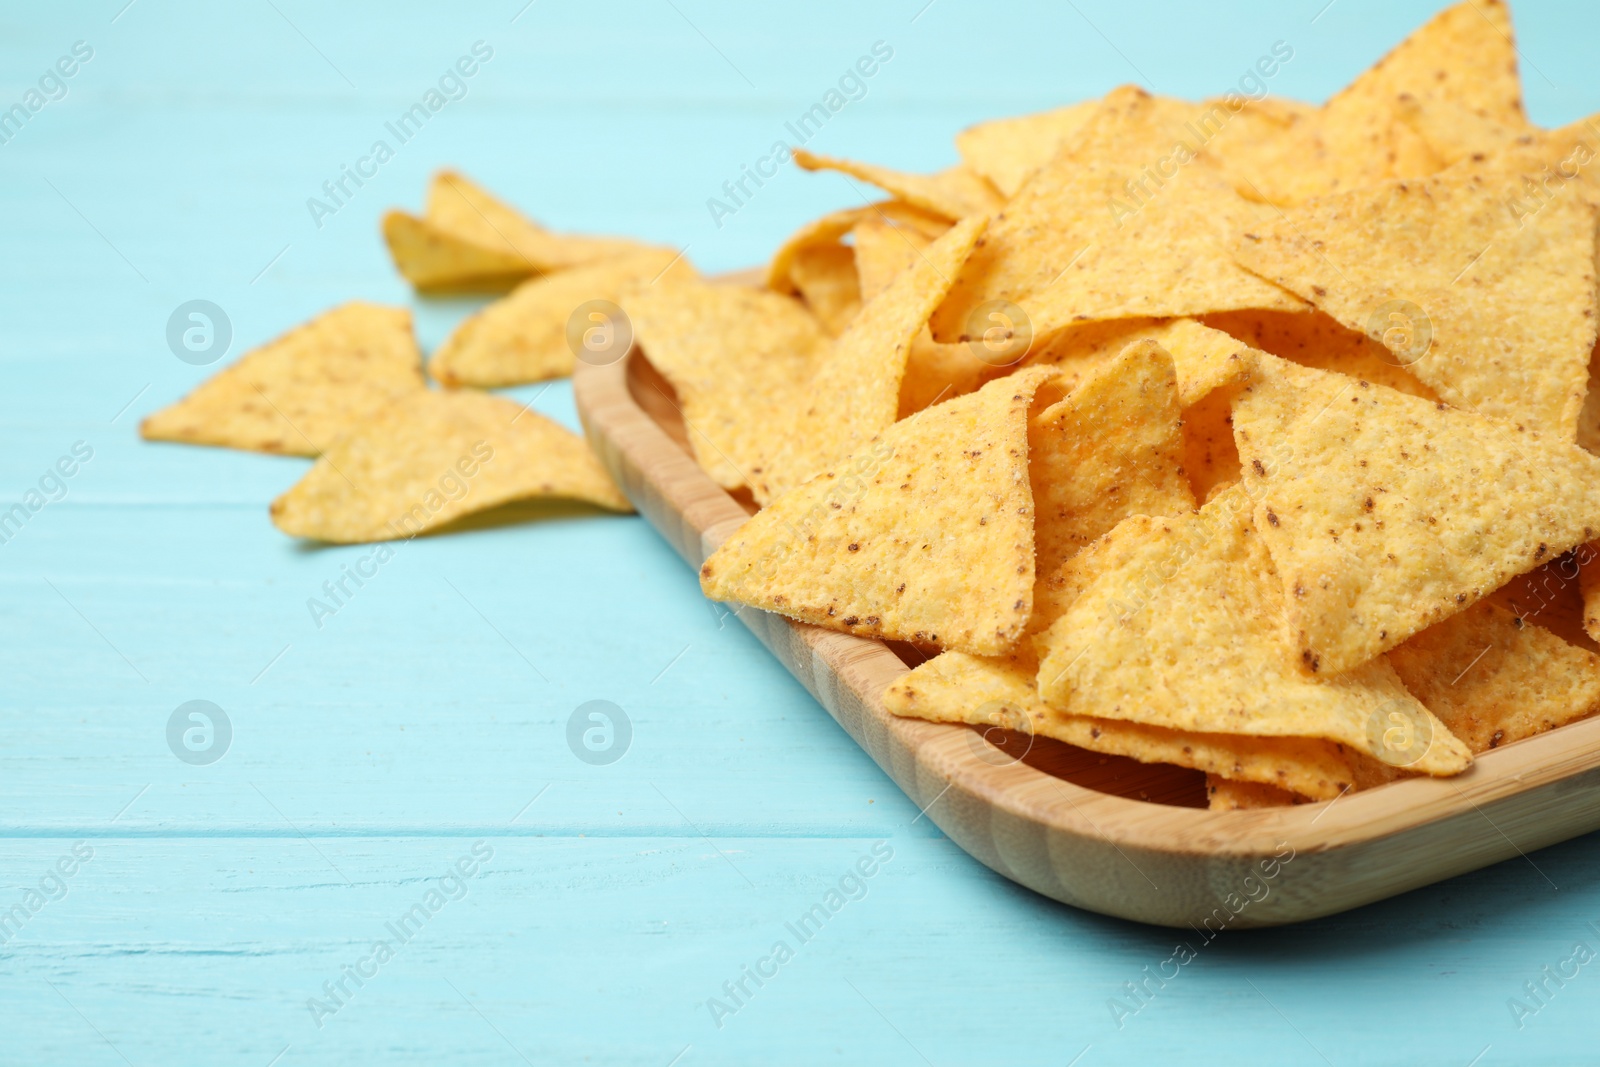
{"x": 1313, "y": 339}
{"x": 855, "y": 392}
{"x": 1227, "y": 794}
{"x": 299, "y": 393}
{"x": 1448, "y": 90}
{"x": 468, "y": 239}
{"x": 825, "y": 275}
{"x": 924, "y": 534}
{"x": 1494, "y": 313}
{"x": 886, "y": 246}
{"x": 1179, "y": 623}
{"x": 828, "y": 230}
{"x": 437, "y": 261}
{"x": 953, "y": 194}
{"x": 738, "y": 359}
{"x": 1453, "y": 77}
{"x": 1000, "y": 691}
{"x": 1007, "y": 151}
{"x": 1123, "y": 223}
{"x": 1537, "y": 166}
{"x": 1385, "y": 513}
{"x": 936, "y": 372}
{"x": 523, "y": 337}
{"x": 1494, "y": 677}
{"x": 430, "y": 458}
{"x": 1111, "y": 448}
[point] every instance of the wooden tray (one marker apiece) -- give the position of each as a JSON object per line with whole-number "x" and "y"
{"x": 1105, "y": 833}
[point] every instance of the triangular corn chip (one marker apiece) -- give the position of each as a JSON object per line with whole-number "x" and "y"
{"x": 1001, "y": 691}
{"x": 824, "y": 231}
{"x": 856, "y": 390}
{"x": 430, "y": 458}
{"x": 1495, "y": 314}
{"x": 738, "y": 359}
{"x": 1113, "y": 447}
{"x": 1448, "y": 90}
{"x": 1538, "y": 166}
{"x": 1007, "y": 151}
{"x": 825, "y": 275}
{"x": 468, "y": 239}
{"x": 885, "y": 246}
{"x": 1494, "y": 677}
{"x": 1385, "y": 513}
{"x": 953, "y": 194}
{"x": 435, "y": 260}
{"x": 1458, "y": 71}
{"x": 1098, "y": 234}
{"x": 936, "y": 372}
{"x": 1179, "y": 623}
{"x": 523, "y": 337}
{"x": 299, "y": 393}
{"x": 1209, "y": 363}
{"x": 924, "y": 534}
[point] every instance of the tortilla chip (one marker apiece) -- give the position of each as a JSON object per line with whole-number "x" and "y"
{"x": 434, "y": 260}
{"x": 885, "y": 247}
{"x": 1452, "y": 77}
{"x": 1313, "y": 339}
{"x": 1000, "y": 691}
{"x": 468, "y": 239}
{"x": 1079, "y": 243}
{"x": 1007, "y": 151}
{"x": 523, "y": 338}
{"x": 826, "y": 230}
{"x": 1449, "y": 89}
{"x": 304, "y": 390}
{"x": 1385, "y": 513}
{"x": 825, "y": 275}
{"x": 1539, "y": 165}
{"x": 738, "y": 358}
{"x": 1494, "y": 314}
{"x": 924, "y": 534}
{"x": 1493, "y": 677}
{"x": 953, "y": 194}
{"x": 1112, "y": 448}
{"x": 1179, "y": 623}
{"x": 429, "y": 458}
{"x": 1227, "y": 794}
{"x": 855, "y": 392}
{"x": 936, "y": 373}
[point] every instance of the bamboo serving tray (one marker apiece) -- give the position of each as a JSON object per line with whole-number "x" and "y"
{"x": 1105, "y": 833}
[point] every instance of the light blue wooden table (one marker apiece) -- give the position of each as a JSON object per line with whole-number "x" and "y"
{"x": 231, "y": 912}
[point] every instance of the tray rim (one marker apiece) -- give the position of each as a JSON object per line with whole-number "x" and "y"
{"x": 671, "y": 490}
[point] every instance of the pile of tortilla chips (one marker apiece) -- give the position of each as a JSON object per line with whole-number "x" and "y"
{"x": 1240, "y": 435}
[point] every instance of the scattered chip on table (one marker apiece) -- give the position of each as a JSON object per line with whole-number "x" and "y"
{"x": 302, "y": 391}
{"x": 431, "y": 458}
